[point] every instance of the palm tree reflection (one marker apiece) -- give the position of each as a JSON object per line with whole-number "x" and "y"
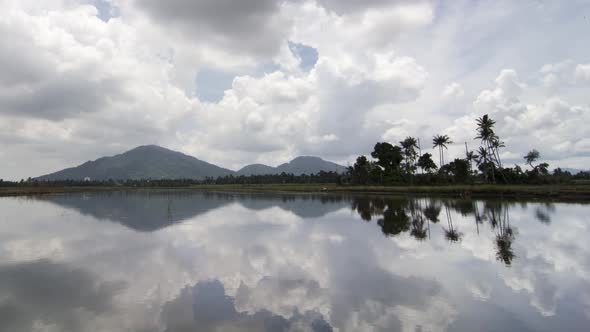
{"x": 399, "y": 215}
{"x": 451, "y": 233}
{"x": 432, "y": 211}
{"x": 499, "y": 218}
{"x": 420, "y": 228}
{"x": 543, "y": 213}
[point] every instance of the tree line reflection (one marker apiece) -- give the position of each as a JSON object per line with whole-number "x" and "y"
{"x": 416, "y": 215}
{"x": 152, "y": 210}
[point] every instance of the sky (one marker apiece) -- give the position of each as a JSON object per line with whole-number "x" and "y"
{"x": 264, "y": 81}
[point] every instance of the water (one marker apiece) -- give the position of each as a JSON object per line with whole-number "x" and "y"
{"x": 185, "y": 261}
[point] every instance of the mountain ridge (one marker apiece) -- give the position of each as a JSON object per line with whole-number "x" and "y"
{"x": 142, "y": 162}
{"x": 298, "y": 166}
{"x": 156, "y": 162}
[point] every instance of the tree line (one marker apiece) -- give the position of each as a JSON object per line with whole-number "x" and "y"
{"x": 282, "y": 178}
{"x": 405, "y": 164}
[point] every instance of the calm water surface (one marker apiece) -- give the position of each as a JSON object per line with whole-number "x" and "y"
{"x": 185, "y": 261}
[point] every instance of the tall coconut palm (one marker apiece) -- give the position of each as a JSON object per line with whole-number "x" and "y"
{"x": 483, "y": 161}
{"x": 490, "y": 141}
{"x": 485, "y": 129}
{"x": 496, "y": 144}
{"x": 441, "y": 142}
{"x": 470, "y": 157}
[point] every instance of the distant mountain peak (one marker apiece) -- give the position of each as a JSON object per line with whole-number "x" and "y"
{"x": 156, "y": 162}
{"x": 299, "y": 165}
{"x": 147, "y": 146}
{"x": 142, "y": 162}
{"x": 303, "y": 158}
{"x": 150, "y": 147}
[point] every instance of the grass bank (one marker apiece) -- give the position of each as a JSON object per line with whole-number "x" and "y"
{"x": 41, "y": 190}
{"x": 570, "y": 191}
{"x": 578, "y": 192}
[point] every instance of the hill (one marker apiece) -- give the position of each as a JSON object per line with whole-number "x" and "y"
{"x": 144, "y": 162}
{"x": 257, "y": 169}
{"x": 155, "y": 162}
{"x": 297, "y": 166}
{"x": 310, "y": 165}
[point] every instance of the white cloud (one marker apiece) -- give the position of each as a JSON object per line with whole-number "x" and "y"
{"x": 453, "y": 90}
{"x": 583, "y": 72}
{"x": 504, "y": 97}
{"x": 556, "y": 74}
{"x": 246, "y": 26}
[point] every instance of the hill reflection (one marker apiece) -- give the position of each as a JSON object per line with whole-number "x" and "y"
{"x": 151, "y": 210}
{"x": 144, "y": 211}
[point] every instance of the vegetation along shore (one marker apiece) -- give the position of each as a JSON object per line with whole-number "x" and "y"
{"x": 577, "y": 192}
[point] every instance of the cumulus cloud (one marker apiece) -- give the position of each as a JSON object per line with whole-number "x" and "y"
{"x": 206, "y": 305}
{"x": 556, "y": 74}
{"x": 550, "y": 124}
{"x": 50, "y": 70}
{"x": 583, "y": 72}
{"x": 504, "y": 96}
{"x": 74, "y": 298}
{"x": 354, "y": 6}
{"x": 348, "y": 94}
{"x": 554, "y": 124}
{"x": 453, "y": 90}
{"x": 253, "y": 26}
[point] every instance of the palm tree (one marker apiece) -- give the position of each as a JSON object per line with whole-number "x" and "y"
{"x": 441, "y": 142}
{"x": 485, "y": 128}
{"x": 531, "y": 157}
{"x": 490, "y": 142}
{"x": 482, "y": 159}
{"x": 470, "y": 157}
{"x": 496, "y": 144}
{"x": 481, "y": 156}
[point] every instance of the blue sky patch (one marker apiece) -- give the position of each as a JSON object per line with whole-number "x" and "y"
{"x": 212, "y": 83}
{"x": 307, "y": 54}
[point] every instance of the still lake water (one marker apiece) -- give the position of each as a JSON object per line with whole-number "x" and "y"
{"x": 189, "y": 261}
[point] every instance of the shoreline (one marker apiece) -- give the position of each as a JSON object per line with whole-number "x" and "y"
{"x": 553, "y": 192}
